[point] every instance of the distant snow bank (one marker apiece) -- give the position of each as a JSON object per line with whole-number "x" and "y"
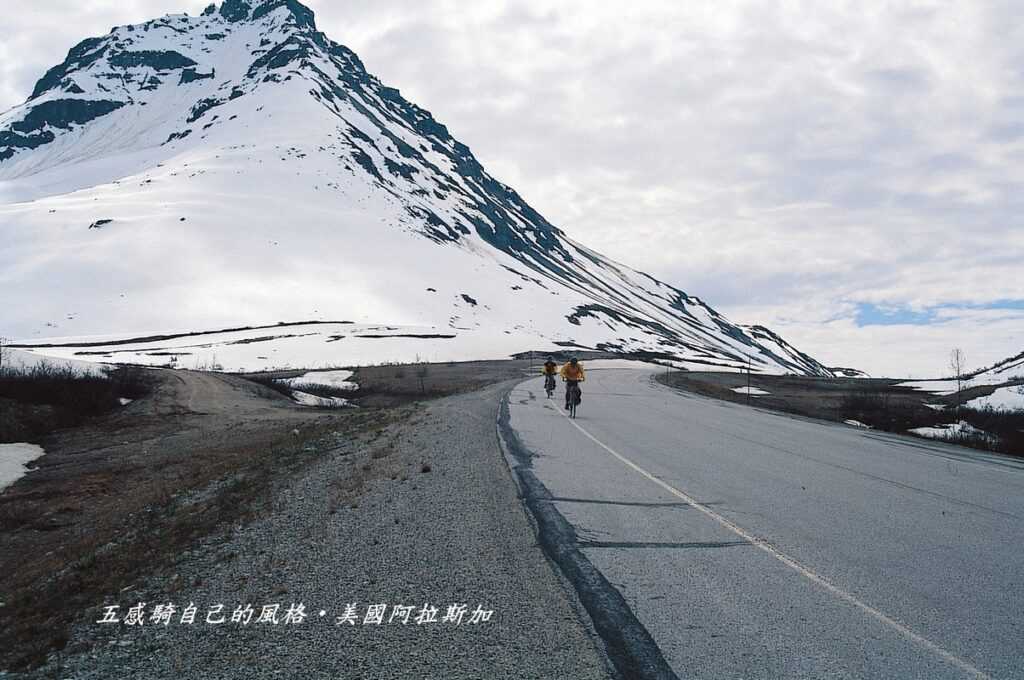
{"x": 752, "y": 391}
{"x": 939, "y": 387}
{"x": 598, "y": 364}
{"x": 946, "y": 387}
{"x": 21, "y": 360}
{"x": 301, "y": 345}
{"x": 1003, "y": 399}
{"x": 14, "y": 460}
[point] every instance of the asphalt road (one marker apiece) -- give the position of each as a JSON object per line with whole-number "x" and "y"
{"x": 750, "y": 544}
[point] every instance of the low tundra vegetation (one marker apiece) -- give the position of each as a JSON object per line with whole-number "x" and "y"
{"x": 1005, "y": 430}
{"x": 48, "y": 396}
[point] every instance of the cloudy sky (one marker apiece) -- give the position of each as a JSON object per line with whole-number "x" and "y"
{"x": 849, "y": 173}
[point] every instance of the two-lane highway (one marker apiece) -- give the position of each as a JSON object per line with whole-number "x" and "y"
{"x": 751, "y": 544}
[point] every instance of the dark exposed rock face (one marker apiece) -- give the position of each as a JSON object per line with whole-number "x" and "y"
{"x": 31, "y": 132}
{"x": 80, "y": 56}
{"x": 235, "y": 10}
{"x": 201, "y": 107}
{"x": 161, "y": 60}
{"x": 302, "y": 15}
{"x": 10, "y": 142}
{"x": 242, "y": 10}
{"x": 63, "y": 113}
{"x": 190, "y": 75}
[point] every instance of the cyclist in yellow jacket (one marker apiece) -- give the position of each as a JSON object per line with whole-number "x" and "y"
{"x": 572, "y": 373}
{"x": 549, "y": 371}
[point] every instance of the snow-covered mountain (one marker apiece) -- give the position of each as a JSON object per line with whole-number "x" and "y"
{"x": 239, "y": 169}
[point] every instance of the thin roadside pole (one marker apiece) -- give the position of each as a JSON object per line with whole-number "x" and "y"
{"x": 748, "y": 380}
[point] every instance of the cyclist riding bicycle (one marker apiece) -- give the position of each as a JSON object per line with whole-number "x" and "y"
{"x": 572, "y": 373}
{"x": 549, "y": 371}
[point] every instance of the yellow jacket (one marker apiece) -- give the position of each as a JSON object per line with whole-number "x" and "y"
{"x": 549, "y": 369}
{"x": 569, "y": 372}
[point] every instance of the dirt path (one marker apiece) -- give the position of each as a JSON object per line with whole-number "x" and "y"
{"x": 197, "y": 393}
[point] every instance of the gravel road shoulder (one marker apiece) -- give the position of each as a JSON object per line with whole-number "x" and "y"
{"x": 423, "y": 512}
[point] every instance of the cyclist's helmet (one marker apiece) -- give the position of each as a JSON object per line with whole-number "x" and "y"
{"x": 574, "y": 361}
{"x": 551, "y": 359}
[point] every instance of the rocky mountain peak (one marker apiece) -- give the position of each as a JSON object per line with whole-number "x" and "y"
{"x": 253, "y": 10}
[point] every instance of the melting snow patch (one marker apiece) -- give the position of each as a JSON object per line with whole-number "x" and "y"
{"x": 951, "y": 431}
{"x": 1003, "y": 399}
{"x": 14, "y": 460}
{"x": 753, "y": 391}
{"x": 857, "y": 423}
{"x": 307, "y": 399}
{"x": 336, "y": 379}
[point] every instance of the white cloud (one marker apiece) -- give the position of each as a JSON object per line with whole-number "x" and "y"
{"x": 783, "y": 161}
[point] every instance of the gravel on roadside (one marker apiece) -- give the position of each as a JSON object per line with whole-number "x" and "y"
{"x": 423, "y": 514}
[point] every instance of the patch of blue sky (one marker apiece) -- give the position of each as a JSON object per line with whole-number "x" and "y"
{"x": 875, "y": 315}
{"x": 868, "y": 314}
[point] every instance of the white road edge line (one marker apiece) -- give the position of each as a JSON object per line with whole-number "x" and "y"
{"x": 792, "y": 563}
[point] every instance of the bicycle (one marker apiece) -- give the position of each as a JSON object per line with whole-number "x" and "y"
{"x": 549, "y": 384}
{"x": 575, "y": 396}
